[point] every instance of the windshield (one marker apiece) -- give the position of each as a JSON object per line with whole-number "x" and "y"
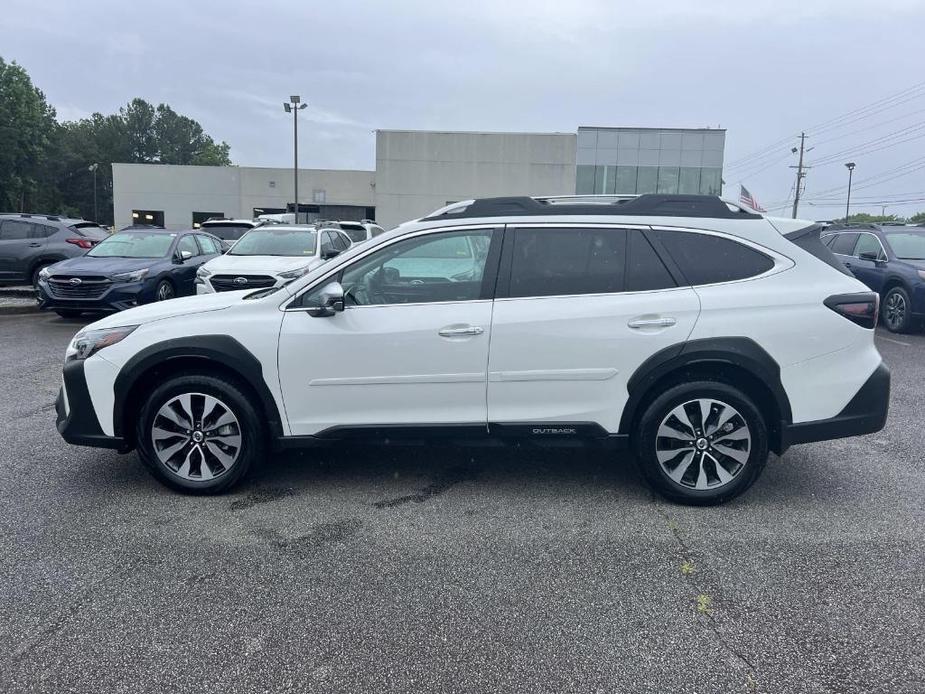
{"x": 288, "y": 242}
{"x": 134, "y": 244}
{"x": 907, "y": 245}
{"x": 228, "y": 232}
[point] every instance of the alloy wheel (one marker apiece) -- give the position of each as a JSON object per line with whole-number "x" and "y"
{"x": 894, "y": 310}
{"x": 196, "y": 436}
{"x": 703, "y": 444}
{"x": 164, "y": 291}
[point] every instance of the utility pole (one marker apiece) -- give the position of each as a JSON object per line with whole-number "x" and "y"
{"x": 800, "y": 175}
{"x": 294, "y": 107}
{"x": 96, "y": 214}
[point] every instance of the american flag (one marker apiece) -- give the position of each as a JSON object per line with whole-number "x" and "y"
{"x": 747, "y": 198}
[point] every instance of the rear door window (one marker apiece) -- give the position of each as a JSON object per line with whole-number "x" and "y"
{"x": 551, "y": 262}
{"x": 844, "y": 243}
{"x": 645, "y": 271}
{"x": 42, "y": 231}
{"x": 15, "y": 230}
{"x": 708, "y": 259}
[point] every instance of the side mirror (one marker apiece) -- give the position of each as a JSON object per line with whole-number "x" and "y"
{"x": 331, "y": 301}
{"x": 182, "y": 257}
{"x": 329, "y": 253}
{"x": 872, "y": 256}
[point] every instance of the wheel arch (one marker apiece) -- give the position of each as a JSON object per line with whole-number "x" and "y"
{"x": 220, "y": 355}
{"x": 736, "y": 361}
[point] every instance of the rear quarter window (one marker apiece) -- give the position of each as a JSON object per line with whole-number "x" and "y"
{"x": 708, "y": 259}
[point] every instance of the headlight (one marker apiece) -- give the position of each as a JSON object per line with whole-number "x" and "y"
{"x": 86, "y": 344}
{"x": 133, "y": 276}
{"x": 921, "y": 273}
{"x": 44, "y": 274}
{"x": 203, "y": 271}
{"x": 291, "y": 275}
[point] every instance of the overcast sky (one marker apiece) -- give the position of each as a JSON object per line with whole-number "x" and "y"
{"x": 762, "y": 69}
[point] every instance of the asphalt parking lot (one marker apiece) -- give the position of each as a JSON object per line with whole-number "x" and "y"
{"x": 445, "y": 569}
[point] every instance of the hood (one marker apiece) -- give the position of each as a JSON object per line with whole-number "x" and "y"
{"x": 186, "y": 305}
{"x": 920, "y": 264}
{"x": 88, "y": 265}
{"x": 259, "y": 264}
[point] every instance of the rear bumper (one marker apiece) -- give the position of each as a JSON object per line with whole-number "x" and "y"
{"x": 865, "y": 414}
{"x": 76, "y": 418}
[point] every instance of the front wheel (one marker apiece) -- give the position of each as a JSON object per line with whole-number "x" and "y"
{"x": 164, "y": 291}
{"x": 702, "y": 443}
{"x": 199, "y": 434}
{"x": 897, "y": 314}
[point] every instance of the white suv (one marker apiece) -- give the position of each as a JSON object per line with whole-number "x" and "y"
{"x": 698, "y": 334}
{"x": 270, "y": 256}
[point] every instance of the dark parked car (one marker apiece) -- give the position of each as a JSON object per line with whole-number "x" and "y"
{"x": 891, "y": 261}
{"x": 29, "y": 242}
{"x": 127, "y": 269}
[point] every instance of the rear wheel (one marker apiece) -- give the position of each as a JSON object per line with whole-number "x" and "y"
{"x": 199, "y": 434}
{"x": 897, "y": 314}
{"x": 702, "y": 443}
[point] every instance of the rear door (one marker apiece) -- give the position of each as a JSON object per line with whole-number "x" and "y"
{"x": 17, "y": 247}
{"x": 579, "y": 308}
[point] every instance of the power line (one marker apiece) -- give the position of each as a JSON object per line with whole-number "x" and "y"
{"x": 876, "y": 145}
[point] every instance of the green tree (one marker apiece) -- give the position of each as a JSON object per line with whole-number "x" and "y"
{"x": 917, "y": 218}
{"x": 27, "y": 129}
{"x": 865, "y": 218}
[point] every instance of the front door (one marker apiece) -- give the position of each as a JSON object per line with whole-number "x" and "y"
{"x": 410, "y": 347}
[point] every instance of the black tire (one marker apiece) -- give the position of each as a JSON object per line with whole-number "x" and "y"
{"x": 233, "y": 397}
{"x": 896, "y": 312}
{"x": 742, "y": 478}
{"x": 68, "y": 312}
{"x": 164, "y": 291}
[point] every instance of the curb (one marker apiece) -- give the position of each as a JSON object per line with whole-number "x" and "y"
{"x": 18, "y": 309}
{"x": 18, "y": 292}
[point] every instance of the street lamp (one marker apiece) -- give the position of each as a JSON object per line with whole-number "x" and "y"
{"x": 96, "y": 214}
{"x": 850, "y": 167}
{"x": 294, "y": 107}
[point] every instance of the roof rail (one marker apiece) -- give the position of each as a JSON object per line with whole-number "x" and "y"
{"x": 650, "y": 204}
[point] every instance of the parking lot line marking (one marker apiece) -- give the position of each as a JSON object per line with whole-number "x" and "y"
{"x": 898, "y": 342}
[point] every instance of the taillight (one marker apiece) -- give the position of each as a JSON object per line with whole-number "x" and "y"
{"x": 862, "y": 309}
{"x": 83, "y": 243}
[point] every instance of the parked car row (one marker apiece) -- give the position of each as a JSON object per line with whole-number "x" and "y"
{"x": 139, "y": 266}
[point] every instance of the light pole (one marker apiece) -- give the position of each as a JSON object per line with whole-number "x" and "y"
{"x": 96, "y": 214}
{"x": 294, "y": 106}
{"x": 850, "y": 167}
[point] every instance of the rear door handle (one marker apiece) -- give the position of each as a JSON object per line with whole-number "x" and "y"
{"x": 35, "y": 245}
{"x": 639, "y": 323}
{"x": 460, "y": 331}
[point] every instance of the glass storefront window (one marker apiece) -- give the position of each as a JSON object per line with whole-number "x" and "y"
{"x": 647, "y": 179}
{"x": 690, "y": 181}
{"x": 668, "y": 179}
{"x": 710, "y": 181}
{"x": 626, "y": 180}
{"x": 584, "y": 184}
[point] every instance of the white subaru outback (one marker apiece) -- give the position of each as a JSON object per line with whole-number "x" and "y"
{"x": 696, "y": 333}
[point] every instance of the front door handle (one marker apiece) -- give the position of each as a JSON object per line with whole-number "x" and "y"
{"x": 639, "y": 323}
{"x": 35, "y": 245}
{"x": 460, "y": 331}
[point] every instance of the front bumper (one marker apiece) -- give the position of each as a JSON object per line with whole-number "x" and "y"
{"x": 865, "y": 414}
{"x": 76, "y": 418}
{"x": 119, "y": 297}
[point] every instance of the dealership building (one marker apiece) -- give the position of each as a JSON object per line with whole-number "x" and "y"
{"x": 420, "y": 171}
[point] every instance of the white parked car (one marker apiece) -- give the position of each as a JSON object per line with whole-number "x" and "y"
{"x": 693, "y": 332}
{"x": 360, "y": 231}
{"x": 270, "y": 256}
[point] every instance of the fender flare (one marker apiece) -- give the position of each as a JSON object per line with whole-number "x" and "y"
{"x": 223, "y": 350}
